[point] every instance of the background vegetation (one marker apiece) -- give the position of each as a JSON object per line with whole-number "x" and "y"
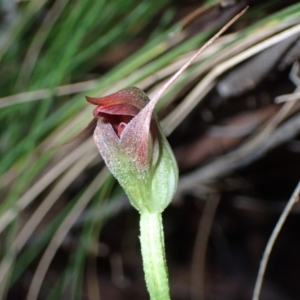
{"x": 67, "y": 231}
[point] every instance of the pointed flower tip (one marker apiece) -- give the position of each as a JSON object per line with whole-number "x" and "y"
{"x": 91, "y": 100}
{"x": 136, "y": 152}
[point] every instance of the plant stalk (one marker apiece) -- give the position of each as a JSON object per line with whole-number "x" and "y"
{"x": 153, "y": 254}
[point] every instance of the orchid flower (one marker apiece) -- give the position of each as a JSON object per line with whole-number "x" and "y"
{"x": 131, "y": 142}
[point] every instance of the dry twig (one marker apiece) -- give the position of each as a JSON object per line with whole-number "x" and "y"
{"x": 271, "y": 242}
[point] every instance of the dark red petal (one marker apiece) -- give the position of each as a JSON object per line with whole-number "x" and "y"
{"x": 132, "y": 96}
{"x": 119, "y": 109}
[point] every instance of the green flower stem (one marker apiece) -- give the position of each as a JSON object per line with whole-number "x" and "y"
{"x": 153, "y": 254}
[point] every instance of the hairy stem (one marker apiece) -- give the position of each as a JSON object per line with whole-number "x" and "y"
{"x": 153, "y": 254}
